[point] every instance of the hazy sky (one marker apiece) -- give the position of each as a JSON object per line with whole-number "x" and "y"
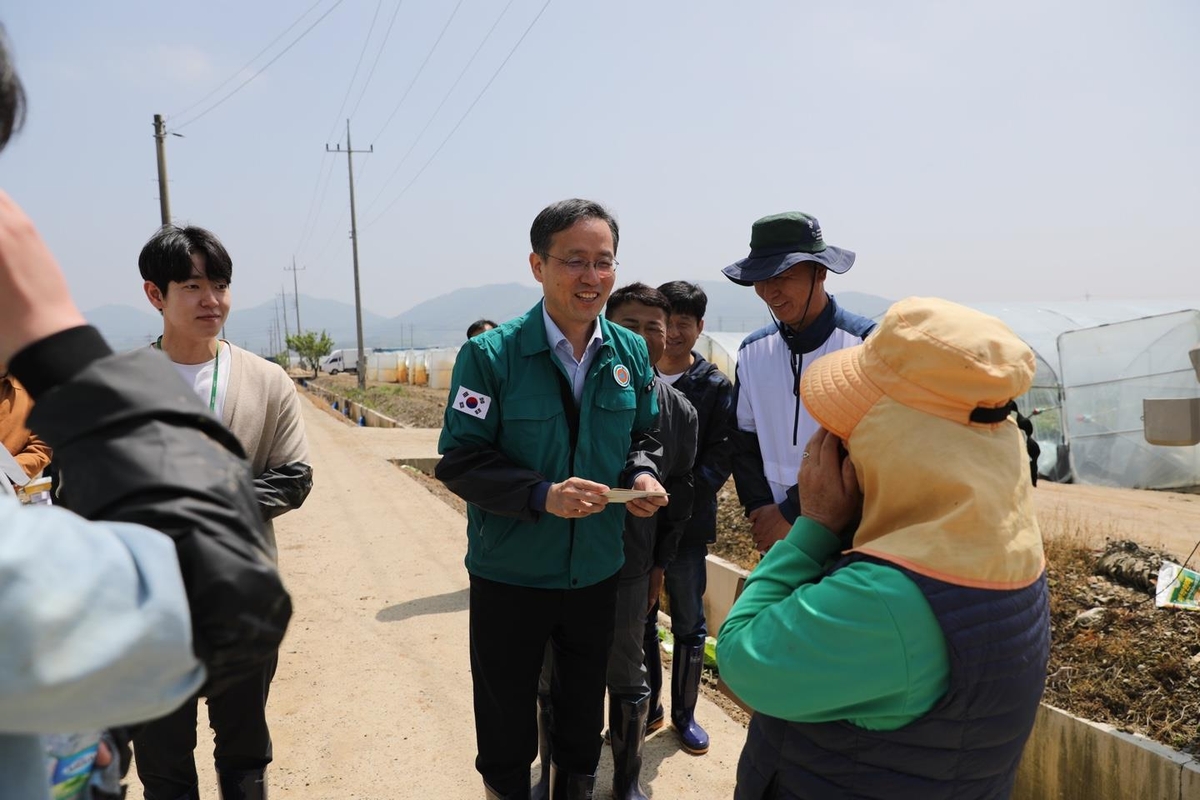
{"x": 978, "y": 151}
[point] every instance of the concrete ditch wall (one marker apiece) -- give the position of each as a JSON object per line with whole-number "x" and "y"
{"x": 355, "y": 412}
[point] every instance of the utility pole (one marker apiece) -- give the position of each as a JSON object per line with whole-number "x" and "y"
{"x": 283, "y": 294}
{"x": 361, "y": 370}
{"x": 164, "y": 200}
{"x": 296, "y": 292}
{"x": 275, "y": 323}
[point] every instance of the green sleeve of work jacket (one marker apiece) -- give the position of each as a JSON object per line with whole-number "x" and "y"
{"x": 860, "y": 644}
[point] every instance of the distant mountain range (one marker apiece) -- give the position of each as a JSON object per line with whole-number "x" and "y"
{"x": 440, "y": 321}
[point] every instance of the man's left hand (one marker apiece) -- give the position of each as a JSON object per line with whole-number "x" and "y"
{"x": 646, "y": 506}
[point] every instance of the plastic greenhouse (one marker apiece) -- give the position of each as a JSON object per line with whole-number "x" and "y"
{"x": 1096, "y": 363}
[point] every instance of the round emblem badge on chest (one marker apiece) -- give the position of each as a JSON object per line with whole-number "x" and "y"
{"x": 621, "y": 375}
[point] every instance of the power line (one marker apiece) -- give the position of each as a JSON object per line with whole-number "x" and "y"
{"x": 421, "y": 69}
{"x": 433, "y": 116}
{"x": 463, "y": 117}
{"x": 242, "y": 85}
{"x": 245, "y": 66}
{"x": 305, "y": 230}
{"x": 332, "y": 234}
{"x": 310, "y": 219}
{"x": 371, "y": 29}
{"x": 382, "y": 45}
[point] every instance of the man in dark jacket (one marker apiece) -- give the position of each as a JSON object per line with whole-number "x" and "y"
{"x": 650, "y": 544}
{"x": 711, "y": 394}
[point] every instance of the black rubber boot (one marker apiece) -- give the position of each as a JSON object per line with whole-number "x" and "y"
{"x": 491, "y": 794}
{"x": 652, "y": 658}
{"x": 627, "y": 721}
{"x": 685, "y": 690}
{"x": 541, "y": 789}
{"x": 570, "y": 785}
{"x": 242, "y": 784}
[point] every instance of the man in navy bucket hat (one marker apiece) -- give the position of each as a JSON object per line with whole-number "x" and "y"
{"x": 787, "y": 266}
{"x": 780, "y": 241}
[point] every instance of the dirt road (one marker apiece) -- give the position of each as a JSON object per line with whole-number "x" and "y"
{"x": 373, "y": 694}
{"x": 1167, "y": 520}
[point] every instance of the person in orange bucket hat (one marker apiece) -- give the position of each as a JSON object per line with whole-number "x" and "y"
{"x": 895, "y": 643}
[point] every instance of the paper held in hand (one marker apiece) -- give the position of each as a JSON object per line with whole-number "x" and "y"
{"x": 625, "y": 495}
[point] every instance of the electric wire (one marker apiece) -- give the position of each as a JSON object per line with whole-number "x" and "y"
{"x": 246, "y": 66}
{"x": 382, "y": 45}
{"x": 325, "y": 247}
{"x": 458, "y": 124}
{"x": 243, "y": 84}
{"x": 420, "y": 69}
{"x": 433, "y": 116}
{"x": 322, "y": 177}
{"x": 358, "y": 64}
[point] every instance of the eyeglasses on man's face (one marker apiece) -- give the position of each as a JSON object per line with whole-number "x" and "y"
{"x": 577, "y": 265}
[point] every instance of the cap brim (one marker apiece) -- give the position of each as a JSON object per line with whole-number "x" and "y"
{"x": 837, "y": 392}
{"x": 751, "y": 270}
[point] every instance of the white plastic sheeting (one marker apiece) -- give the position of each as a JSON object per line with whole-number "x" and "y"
{"x": 1130, "y": 355}
{"x": 439, "y": 366}
{"x": 1107, "y": 372}
{"x": 721, "y": 349}
{"x": 381, "y": 366}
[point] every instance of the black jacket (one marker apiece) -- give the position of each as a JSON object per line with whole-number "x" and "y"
{"x": 652, "y": 541}
{"x": 711, "y": 394}
{"x": 134, "y": 444}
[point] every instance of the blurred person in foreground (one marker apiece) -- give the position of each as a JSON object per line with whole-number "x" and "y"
{"x": 547, "y": 413}
{"x": 894, "y": 644}
{"x": 160, "y": 583}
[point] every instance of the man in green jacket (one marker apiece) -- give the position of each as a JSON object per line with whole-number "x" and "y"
{"x": 547, "y": 413}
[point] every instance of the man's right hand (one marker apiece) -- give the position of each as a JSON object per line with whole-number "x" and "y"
{"x": 575, "y": 498}
{"x": 768, "y": 526}
{"x": 34, "y": 300}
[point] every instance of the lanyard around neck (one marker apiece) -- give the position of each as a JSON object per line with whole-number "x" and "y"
{"x": 212, "y": 395}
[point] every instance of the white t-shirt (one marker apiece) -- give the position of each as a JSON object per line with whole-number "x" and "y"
{"x": 670, "y": 379}
{"x": 200, "y": 377}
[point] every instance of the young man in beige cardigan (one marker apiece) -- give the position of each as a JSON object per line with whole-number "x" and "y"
{"x": 187, "y": 273}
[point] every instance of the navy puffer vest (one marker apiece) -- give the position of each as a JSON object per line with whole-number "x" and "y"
{"x": 967, "y": 747}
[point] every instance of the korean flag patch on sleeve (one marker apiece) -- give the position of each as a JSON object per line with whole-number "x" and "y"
{"x": 471, "y": 402}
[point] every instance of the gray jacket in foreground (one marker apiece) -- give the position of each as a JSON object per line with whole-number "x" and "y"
{"x": 110, "y": 623}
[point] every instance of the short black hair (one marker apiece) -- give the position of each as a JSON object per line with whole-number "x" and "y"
{"x": 686, "y": 298}
{"x": 479, "y": 326}
{"x": 562, "y": 215}
{"x": 12, "y": 94}
{"x": 168, "y": 256}
{"x": 636, "y": 293}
